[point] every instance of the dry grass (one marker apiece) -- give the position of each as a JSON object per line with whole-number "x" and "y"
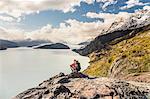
{"x": 136, "y": 50}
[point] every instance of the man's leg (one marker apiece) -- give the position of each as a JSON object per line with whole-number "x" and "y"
{"x": 72, "y": 69}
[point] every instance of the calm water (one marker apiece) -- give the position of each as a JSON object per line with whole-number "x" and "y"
{"x": 24, "y": 68}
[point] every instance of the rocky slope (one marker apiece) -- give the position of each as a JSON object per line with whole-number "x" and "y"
{"x": 122, "y": 29}
{"x": 130, "y": 56}
{"x": 102, "y": 41}
{"x": 127, "y": 59}
{"x": 122, "y": 52}
{"x": 80, "y": 86}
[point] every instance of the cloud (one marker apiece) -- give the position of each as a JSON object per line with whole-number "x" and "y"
{"x": 108, "y": 3}
{"x": 109, "y": 18}
{"x": 72, "y": 31}
{"x": 18, "y": 8}
{"x": 132, "y": 3}
{"x": 12, "y": 34}
{"x": 146, "y": 8}
{"x": 6, "y": 18}
{"x": 15, "y": 9}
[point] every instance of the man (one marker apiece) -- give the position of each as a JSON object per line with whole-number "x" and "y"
{"x": 75, "y": 67}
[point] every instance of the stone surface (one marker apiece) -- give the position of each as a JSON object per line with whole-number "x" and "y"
{"x": 80, "y": 86}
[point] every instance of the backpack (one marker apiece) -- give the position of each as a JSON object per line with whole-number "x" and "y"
{"x": 78, "y": 66}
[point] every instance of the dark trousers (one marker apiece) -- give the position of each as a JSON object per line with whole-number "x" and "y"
{"x": 73, "y": 70}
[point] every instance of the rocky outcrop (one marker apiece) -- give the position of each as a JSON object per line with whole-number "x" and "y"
{"x": 123, "y": 68}
{"x": 80, "y": 86}
{"x": 53, "y": 46}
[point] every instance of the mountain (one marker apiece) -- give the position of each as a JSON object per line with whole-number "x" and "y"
{"x": 122, "y": 53}
{"x": 103, "y": 41}
{"x": 85, "y": 43}
{"x": 137, "y": 22}
{"x": 31, "y": 43}
{"x": 53, "y": 46}
{"x": 7, "y": 44}
{"x": 127, "y": 59}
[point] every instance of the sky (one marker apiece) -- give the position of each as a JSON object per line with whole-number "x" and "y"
{"x": 71, "y": 21}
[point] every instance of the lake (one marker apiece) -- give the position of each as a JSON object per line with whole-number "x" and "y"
{"x": 23, "y": 68}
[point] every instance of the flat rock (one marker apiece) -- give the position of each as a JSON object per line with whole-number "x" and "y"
{"x": 80, "y": 86}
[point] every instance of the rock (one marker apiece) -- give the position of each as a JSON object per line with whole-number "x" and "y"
{"x": 61, "y": 89}
{"x": 64, "y": 80}
{"x": 72, "y": 86}
{"x": 53, "y": 46}
{"x": 77, "y": 75}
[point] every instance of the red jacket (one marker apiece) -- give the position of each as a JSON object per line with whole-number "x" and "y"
{"x": 73, "y": 65}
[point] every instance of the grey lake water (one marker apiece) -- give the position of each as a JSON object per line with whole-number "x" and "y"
{"x": 24, "y": 68}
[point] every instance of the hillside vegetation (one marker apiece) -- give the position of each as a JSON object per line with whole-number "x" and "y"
{"x": 128, "y": 59}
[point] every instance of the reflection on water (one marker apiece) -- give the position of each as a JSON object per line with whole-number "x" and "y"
{"x": 23, "y": 68}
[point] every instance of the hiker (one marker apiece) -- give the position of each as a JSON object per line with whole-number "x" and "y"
{"x": 75, "y": 67}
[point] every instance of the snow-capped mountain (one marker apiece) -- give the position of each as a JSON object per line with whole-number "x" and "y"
{"x": 119, "y": 31}
{"x": 136, "y": 20}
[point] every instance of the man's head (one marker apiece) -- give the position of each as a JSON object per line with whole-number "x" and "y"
{"x": 75, "y": 60}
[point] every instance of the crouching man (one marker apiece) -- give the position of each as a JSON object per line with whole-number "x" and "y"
{"x": 75, "y": 67}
